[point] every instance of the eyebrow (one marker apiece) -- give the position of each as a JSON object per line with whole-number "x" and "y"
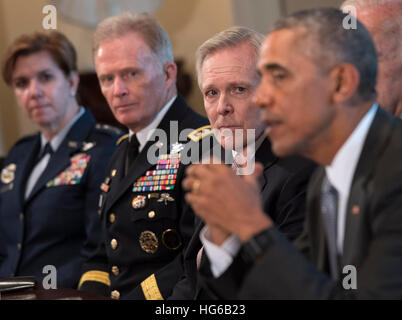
{"x": 23, "y": 76}
{"x": 273, "y": 66}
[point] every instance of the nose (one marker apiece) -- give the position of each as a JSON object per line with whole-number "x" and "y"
{"x": 35, "y": 89}
{"x": 119, "y": 87}
{"x": 224, "y": 105}
{"x": 263, "y": 96}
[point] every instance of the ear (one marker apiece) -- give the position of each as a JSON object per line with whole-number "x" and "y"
{"x": 345, "y": 80}
{"x": 170, "y": 70}
{"x": 73, "y": 80}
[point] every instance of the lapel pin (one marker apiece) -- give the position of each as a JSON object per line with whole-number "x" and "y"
{"x": 355, "y": 209}
{"x": 87, "y": 146}
{"x": 176, "y": 147}
{"x": 72, "y": 144}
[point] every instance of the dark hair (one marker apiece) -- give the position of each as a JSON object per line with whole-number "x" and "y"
{"x": 332, "y": 43}
{"x": 55, "y": 43}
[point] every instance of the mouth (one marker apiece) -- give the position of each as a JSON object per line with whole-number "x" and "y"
{"x": 124, "y": 107}
{"x": 271, "y": 125}
{"x": 38, "y": 107}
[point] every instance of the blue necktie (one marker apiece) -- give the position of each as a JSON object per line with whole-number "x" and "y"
{"x": 329, "y": 210}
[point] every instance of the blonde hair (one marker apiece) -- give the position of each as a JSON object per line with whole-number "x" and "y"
{"x": 143, "y": 24}
{"x": 226, "y": 39}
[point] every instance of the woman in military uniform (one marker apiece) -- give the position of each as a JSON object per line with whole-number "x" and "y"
{"x": 49, "y": 186}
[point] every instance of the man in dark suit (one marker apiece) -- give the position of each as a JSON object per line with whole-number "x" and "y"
{"x": 228, "y": 79}
{"x": 318, "y": 98}
{"x": 145, "y": 226}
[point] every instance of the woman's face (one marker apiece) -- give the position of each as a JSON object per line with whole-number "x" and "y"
{"x": 42, "y": 89}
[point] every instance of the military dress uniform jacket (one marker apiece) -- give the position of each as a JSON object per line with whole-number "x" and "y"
{"x": 58, "y": 224}
{"x": 283, "y": 187}
{"x": 145, "y": 230}
{"x": 373, "y": 233}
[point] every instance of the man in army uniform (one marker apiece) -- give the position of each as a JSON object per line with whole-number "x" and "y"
{"x": 142, "y": 205}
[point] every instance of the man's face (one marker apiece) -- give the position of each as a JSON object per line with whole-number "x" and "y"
{"x": 294, "y": 95}
{"x": 384, "y": 28}
{"x": 229, "y": 79}
{"x": 132, "y": 80}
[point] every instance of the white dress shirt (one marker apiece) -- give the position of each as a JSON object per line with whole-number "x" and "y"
{"x": 341, "y": 171}
{"x": 221, "y": 257}
{"x": 340, "y": 174}
{"x": 55, "y": 144}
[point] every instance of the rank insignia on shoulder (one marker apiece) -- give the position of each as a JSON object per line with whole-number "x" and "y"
{"x": 121, "y": 139}
{"x": 200, "y": 133}
{"x": 8, "y": 173}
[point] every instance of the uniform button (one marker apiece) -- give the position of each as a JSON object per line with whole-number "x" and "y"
{"x": 21, "y": 216}
{"x": 115, "y": 270}
{"x": 19, "y": 246}
{"x": 151, "y": 214}
{"x": 115, "y": 295}
{"x": 112, "y": 218}
{"x": 113, "y": 244}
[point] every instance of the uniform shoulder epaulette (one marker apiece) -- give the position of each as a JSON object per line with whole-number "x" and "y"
{"x": 121, "y": 139}
{"x": 108, "y": 128}
{"x": 26, "y": 139}
{"x": 200, "y": 133}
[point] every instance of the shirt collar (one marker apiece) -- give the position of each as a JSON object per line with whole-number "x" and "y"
{"x": 250, "y": 155}
{"x": 340, "y": 172}
{"x": 58, "y": 138}
{"x": 145, "y": 134}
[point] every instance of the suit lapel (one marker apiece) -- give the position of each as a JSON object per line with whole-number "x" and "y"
{"x": 25, "y": 168}
{"x": 377, "y": 138}
{"x": 315, "y": 224}
{"x": 265, "y": 156}
{"x": 71, "y": 144}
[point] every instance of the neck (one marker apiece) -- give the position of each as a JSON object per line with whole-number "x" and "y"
{"x": 49, "y": 131}
{"x": 326, "y": 145}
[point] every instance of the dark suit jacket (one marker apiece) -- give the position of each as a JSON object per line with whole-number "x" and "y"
{"x": 283, "y": 186}
{"x": 140, "y": 274}
{"x": 58, "y": 224}
{"x": 373, "y": 234}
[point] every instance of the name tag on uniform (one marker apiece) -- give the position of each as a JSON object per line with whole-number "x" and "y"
{"x": 73, "y": 174}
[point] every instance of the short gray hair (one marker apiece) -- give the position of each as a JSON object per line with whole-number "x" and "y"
{"x": 328, "y": 43}
{"x": 143, "y": 24}
{"x": 228, "y": 38}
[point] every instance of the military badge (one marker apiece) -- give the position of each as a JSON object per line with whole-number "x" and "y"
{"x": 149, "y": 242}
{"x": 73, "y": 174}
{"x": 139, "y": 202}
{"x": 171, "y": 239}
{"x": 165, "y": 197}
{"x": 87, "y": 146}
{"x": 176, "y": 148}
{"x": 8, "y": 173}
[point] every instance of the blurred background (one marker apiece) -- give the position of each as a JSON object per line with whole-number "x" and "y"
{"x": 188, "y": 22}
